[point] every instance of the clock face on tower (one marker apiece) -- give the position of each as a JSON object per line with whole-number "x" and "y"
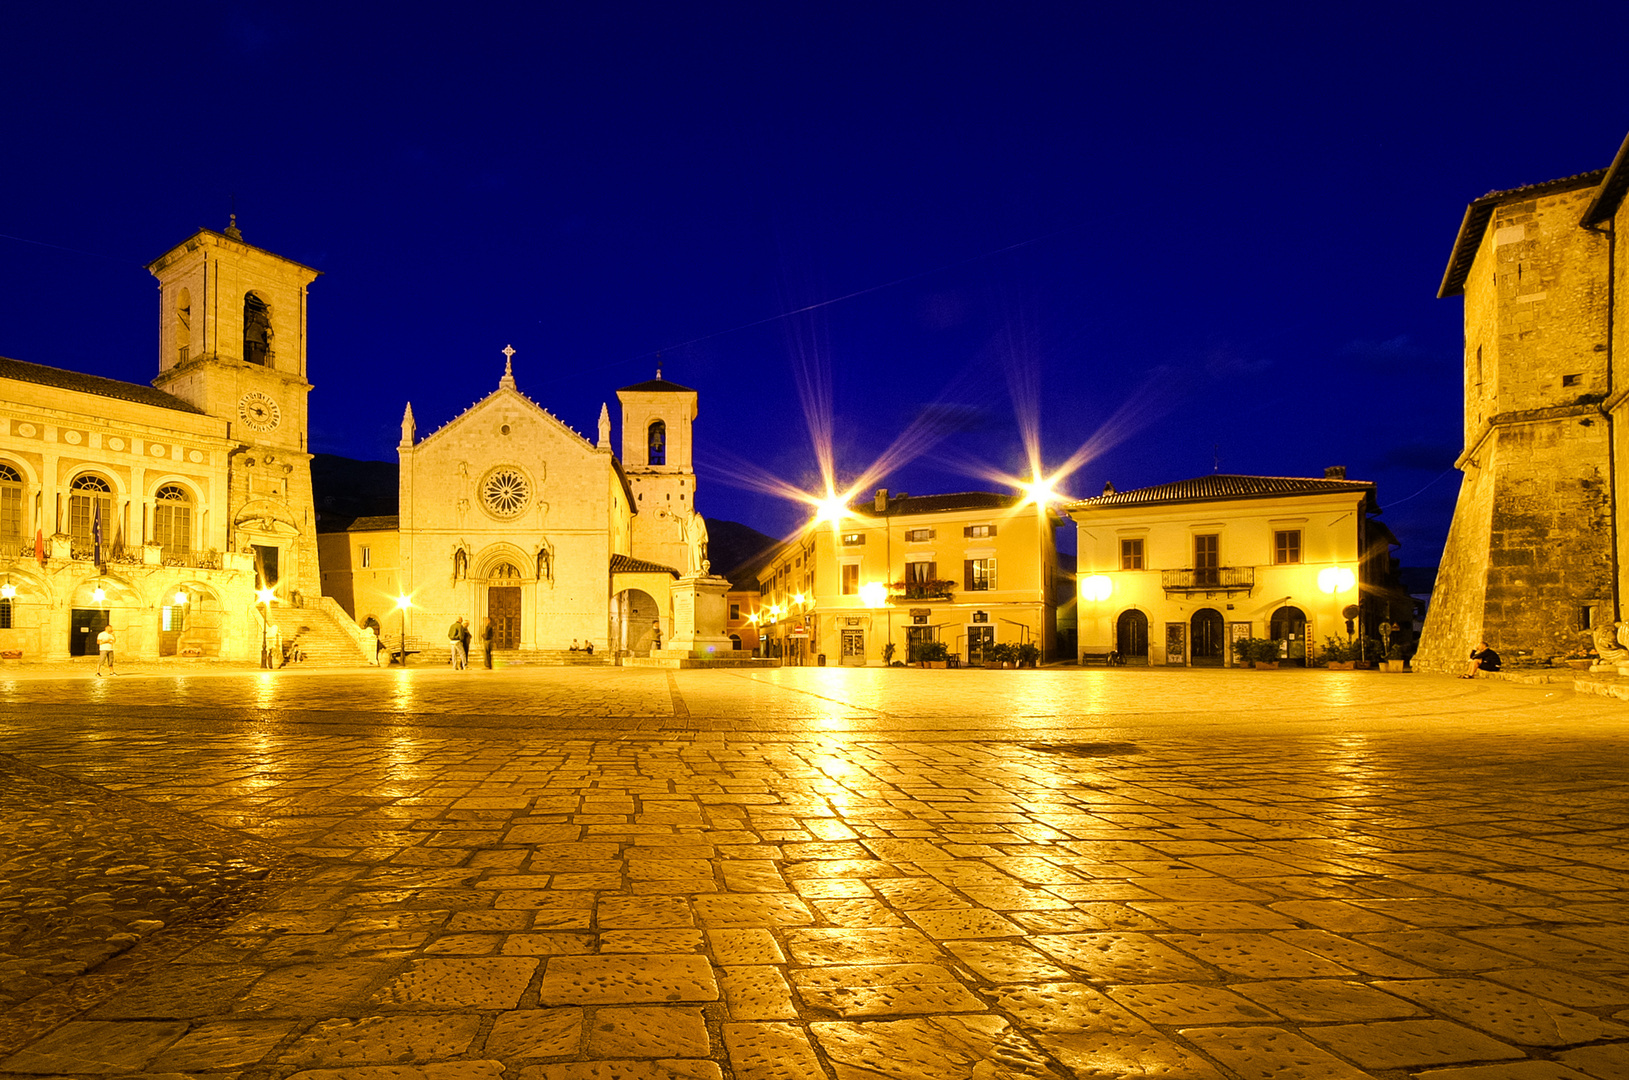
{"x": 258, "y": 411}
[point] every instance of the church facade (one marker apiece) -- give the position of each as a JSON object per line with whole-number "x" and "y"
{"x": 160, "y": 510}
{"x": 508, "y": 514}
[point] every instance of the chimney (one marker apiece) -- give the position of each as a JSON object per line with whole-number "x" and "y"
{"x": 1108, "y": 487}
{"x": 881, "y": 505}
{"x": 1335, "y": 472}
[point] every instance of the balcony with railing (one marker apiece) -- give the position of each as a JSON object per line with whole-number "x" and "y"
{"x": 1210, "y": 579}
{"x": 917, "y": 591}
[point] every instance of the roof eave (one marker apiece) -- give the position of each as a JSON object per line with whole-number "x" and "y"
{"x": 1613, "y": 189}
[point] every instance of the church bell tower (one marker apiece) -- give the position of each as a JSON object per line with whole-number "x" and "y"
{"x": 657, "y": 417}
{"x": 232, "y": 341}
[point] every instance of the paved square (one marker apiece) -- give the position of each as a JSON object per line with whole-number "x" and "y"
{"x": 780, "y": 874}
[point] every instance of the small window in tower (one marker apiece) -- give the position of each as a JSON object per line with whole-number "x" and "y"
{"x": 1571, "y": 380}
{"x": 656, "y": 444}
{"x": 257, "y": 331}
{"x": 183, "y": 326}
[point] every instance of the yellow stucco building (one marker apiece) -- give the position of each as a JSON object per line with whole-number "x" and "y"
{"x": 1171, "y": 574}
{"x": 969, "y": 570}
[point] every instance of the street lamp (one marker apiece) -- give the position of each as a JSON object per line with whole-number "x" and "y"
{"x": 1338, "y": 579}
{"x": 264, "y": 598}
{"x": 1097, "y": 588}
{"x": 402, "y": 604}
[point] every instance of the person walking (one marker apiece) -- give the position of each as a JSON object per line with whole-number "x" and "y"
{"x": 463, "y": 641}
{"x": 104, "y": 651}
{"x": 486, "y": 641}
{"x": 455, "y": 638}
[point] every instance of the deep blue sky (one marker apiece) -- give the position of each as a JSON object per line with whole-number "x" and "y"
{"x": 1231, "y": 225}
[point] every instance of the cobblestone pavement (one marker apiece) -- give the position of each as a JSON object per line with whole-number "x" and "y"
{"x": 559, "y": 874}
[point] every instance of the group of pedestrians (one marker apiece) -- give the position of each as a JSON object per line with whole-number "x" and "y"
{"x": 459, "y": 638}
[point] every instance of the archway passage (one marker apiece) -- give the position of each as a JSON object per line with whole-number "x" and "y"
{"x": 503, "y": 606}
{"x": 1131, "y": 637}
{"x": 1205, "y": 633}
{"x": 635, "y": 616}
{"x": 1289, "y": 624}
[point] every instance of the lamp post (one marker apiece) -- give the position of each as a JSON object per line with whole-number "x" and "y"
{"x": 264, "y": 598}
{"x": 402, "y": 604}
{"x": 1335, "y": 580}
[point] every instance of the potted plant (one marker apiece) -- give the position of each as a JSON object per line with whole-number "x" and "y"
{"x": 1391, "y": 647}
{"x": 1003, "y": 655}
{"x": 1265, "y": 654}
{"x": 888, "y": 654}
{"x": 1029, "y": 655}
{"x": 932, "y": 654}
{"x": 1337, "y": 654}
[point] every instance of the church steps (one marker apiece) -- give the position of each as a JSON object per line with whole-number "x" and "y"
{"x": 319, "y": 638}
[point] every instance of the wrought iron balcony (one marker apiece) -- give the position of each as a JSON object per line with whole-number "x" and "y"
{"x": 1213, "y": 579}
{"x": 903, "y": 591}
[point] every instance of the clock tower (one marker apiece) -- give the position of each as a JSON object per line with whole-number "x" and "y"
{"x": 232, "y": 341}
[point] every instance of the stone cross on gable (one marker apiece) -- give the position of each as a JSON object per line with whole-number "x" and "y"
{"x": 508, "y": 379}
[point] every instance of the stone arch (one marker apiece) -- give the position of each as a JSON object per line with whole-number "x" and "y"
{"x": 257, "y": 330}
{"x": 656, "y": 443}
{"x": 92, "y": 491}
{"x": 175, "y": 514}
{"x": 485, "y": 563}
{"x": 1131, "y": 636}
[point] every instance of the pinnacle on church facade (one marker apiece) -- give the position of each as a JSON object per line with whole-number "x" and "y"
{"x": 604, "y": 442}
{"x": 508, "y": 380}
{"x": 409, "y": 428}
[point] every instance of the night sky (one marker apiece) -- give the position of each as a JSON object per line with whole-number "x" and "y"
{"x": 1197, "y": 238}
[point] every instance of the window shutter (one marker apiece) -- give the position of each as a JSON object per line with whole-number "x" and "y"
{"x": 967, "y": 574}
{"x": 932, "y": 533}
{"x": 967, "y": 530}
{"x": 992, "y": 530}
{"x": 933, "y": 571}
{"x": 991, "y": 564}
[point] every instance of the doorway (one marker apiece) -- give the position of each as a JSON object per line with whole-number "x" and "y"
{"x": 503, "y": 607}
{"x": 87, "y": 623}
{"x": 266, "y": 574}
{"x": 1289, "y": 625}
{"x": 1131, "y": 637}
{"x": 853, "y": 648}
{"x": 1207, "y": 638}
{"x": 979, "y": 639}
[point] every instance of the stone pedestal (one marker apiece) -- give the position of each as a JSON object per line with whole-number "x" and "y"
{"x": 699, "y": 616}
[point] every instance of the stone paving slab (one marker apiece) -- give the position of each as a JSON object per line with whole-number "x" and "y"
{"x": 829, "y": 873}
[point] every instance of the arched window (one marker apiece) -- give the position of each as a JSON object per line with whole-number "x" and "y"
{"x": 172, "y": 520}
{"x": 183, "y": 326}
{"x": 90, "y": 499}
{"x": 11, "y": 507}
{"x": 656, "y": 444}
{"x": 257, "y": 330}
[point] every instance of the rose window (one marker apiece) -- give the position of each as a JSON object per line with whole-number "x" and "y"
{"x": 505, "y": 492}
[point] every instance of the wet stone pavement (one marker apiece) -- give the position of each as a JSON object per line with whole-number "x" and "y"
{"x": 602, "y": 874}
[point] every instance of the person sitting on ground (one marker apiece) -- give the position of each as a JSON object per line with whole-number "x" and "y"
{"x": 588, "y": 647}
{"x": 574, "y": 646}
{"x": 1482, "y": 659}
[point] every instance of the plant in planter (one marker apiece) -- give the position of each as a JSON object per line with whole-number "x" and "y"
{"x": 1266, "y": 653}
{"x": 1003, "y": 655}
{"x": 1029, "y": 655}
{"x": 1244, "y": 651}
{"x": 930, "y": 653}
{"x": 888, "y": 654}
{"x": 1337, "y": 654}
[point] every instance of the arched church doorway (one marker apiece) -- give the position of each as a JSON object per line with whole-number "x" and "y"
{"x": 1289, "y": 624}
{"x": 635, "y": 617}
{"x": 503, "y": 605}
{"x": 1131, "y": 637}
{"x": 1205, "y": 632}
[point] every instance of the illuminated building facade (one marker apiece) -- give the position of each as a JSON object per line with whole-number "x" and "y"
{"x": 969, "y": 570}
{"x": 1172, "y": 574}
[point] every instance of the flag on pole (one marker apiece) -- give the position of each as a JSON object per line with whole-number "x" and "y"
{"x": 39, "y": 546}
{"x": 96, "y": 534}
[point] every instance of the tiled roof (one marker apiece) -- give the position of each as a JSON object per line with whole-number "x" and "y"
{"x": 39, "y": 374}
{"x": 936, "y": 504}
{"x": 377, "y": 523}
{"x": 1218, "y": 486}
{"x": 1476, "y": 223}
{"x": 1613, "y": 188}
{"x": 627, "y": 564}
{"x": 658, "y": 386}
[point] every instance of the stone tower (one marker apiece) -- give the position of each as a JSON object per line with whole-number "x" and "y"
{"x": 657, "y": 417}
{"x": 1529, "y": 563}
{"x": 232, "y": 341}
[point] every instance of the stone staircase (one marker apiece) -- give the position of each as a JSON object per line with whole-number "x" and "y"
{"x": 319, "y": 637}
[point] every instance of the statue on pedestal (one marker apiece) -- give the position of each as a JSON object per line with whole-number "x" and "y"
{"x": 694, "y": 531}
